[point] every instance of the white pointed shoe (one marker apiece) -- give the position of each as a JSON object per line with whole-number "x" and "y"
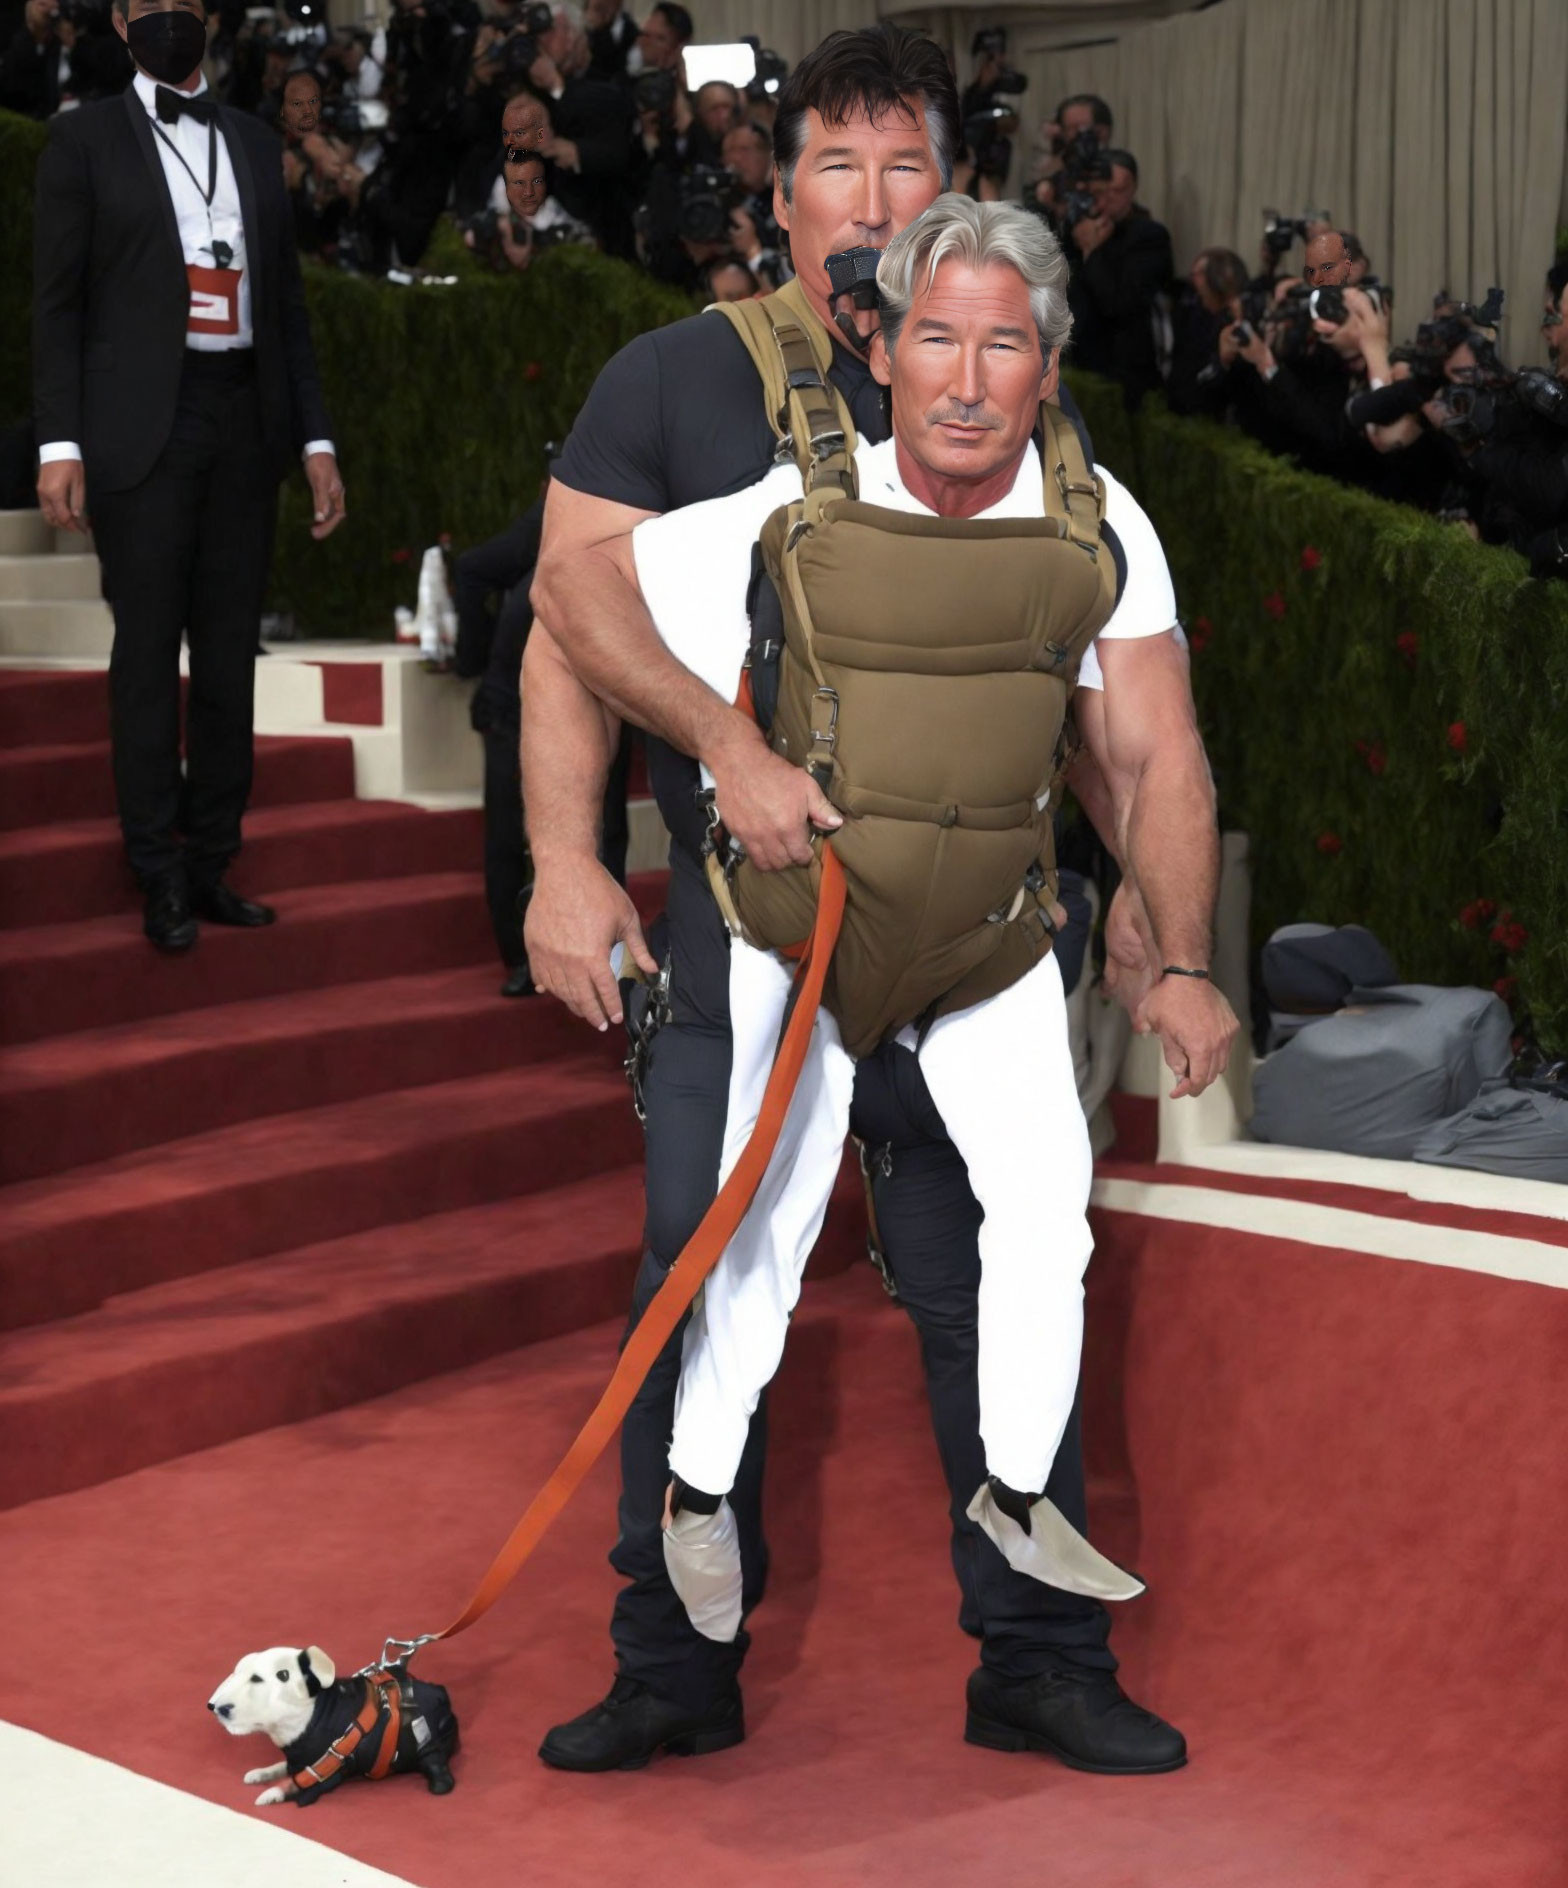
{"x": 1053, "y": 1551}
{"x": 702, "y": 1558}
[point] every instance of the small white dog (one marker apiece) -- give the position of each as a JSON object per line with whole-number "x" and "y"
{"x": 330, "y": 1729}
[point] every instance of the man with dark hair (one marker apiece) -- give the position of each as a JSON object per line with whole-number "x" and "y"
{"x": 864, "y": 141}
{"x": 1084, "y": 111}
{"x": 665, "y": 35}
{"x": 299, "y": 112}
{"x": 174, "y": 380}
{"x": 1121, "y": 261}
{"x": 1210, "y": 301}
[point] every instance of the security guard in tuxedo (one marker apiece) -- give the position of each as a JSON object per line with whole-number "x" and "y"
{"x": 174, "y": 382}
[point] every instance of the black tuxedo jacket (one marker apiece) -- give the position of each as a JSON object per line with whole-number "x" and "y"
{"x": 110, "y": 296}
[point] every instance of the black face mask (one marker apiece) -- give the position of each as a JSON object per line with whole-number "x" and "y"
{"x": 169, "y": 46}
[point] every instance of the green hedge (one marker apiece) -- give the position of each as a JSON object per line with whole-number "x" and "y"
{"x": 1385, "y": 703}
{"x": 442, "y": 398}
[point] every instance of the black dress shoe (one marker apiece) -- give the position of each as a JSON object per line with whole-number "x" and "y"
{"x": 218, "y": 905}
{"x": 518, "y": 982}
{"x": 166, "y": 914}
{"x": 1080, "y": 1716}
{"x": 632, "y": 1725}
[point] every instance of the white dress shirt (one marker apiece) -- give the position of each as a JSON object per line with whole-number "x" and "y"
{"x": 200, "y": 226}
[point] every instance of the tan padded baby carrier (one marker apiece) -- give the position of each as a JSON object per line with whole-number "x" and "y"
{"x": 925, "y": 678}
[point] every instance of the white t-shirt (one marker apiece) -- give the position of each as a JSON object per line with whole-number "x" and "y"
{"x": 694, "y": 565}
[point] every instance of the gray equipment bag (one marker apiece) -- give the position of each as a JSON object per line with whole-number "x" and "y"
{"x": 1518, "y": 1131}
{"x": 1375, "y": 1077}
{"x": 1309, "y": 970}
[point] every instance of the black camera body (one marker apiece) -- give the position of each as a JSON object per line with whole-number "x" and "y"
{"x": 707, "y": 195}
{"x": 1280, "y": 232}
{"x": 771, "y": 72}
{"x": 654, "y": 91}
{"x": 1542, "y": 394}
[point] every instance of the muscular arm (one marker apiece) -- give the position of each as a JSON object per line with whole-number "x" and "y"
{"x": 1148, "y": 745}
{"x": 585, "y": 588}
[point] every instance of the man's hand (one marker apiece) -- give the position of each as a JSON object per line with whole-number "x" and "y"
{"x": 1196, "y": 1028}
{"x": 576, "y": 916}
{"x": 562, "y": 151}
{"x": 768, "y": 805}
{"x": 62, "y": 494}
{"x": 545, "y": 75}
{"x": 326, "y": 491}
{"x": 1257, "y": 352}
{"x": 1091, "y": 232}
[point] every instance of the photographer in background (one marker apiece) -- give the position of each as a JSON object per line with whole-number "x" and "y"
{"x": 1209, "y": 303}
{"x": 730, "y": 279}
{"x": 989, "y": 111}
{"x": 527, "y": 218}
{"x": 429, "y": 46}
{"x": 1073, "y": 156}
{"x": 664, "y": 114}
{"x": 747, "y": 154}
{"x": 65, "y": 52}
{"x": 592, "y": 125}
{"x": 1121, "y": 261}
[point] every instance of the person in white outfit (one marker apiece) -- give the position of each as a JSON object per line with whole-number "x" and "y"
{"x": 973, "y": 317}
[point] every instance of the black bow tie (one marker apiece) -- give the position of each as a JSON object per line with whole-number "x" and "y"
{"x": 172, "y": 105}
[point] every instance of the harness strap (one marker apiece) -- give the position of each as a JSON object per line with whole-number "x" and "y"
{"x": 381, "y": 1698}
{"x": 703, "y": 1251}
{"x": 792, "y": 352}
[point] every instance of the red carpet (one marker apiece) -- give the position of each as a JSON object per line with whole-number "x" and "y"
{"x": 253, "y": 1189}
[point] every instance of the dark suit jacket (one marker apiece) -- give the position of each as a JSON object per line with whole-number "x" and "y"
{"x": 1112, "y": 293}
{"x": 110, "y": 296}
{"x": 601, "y": 121}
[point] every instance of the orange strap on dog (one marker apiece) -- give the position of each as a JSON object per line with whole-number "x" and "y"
{"x": 381, "y": 1695}
{"x": 685, "y": 1276}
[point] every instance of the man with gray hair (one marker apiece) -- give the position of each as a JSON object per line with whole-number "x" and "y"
{"x": 973, "y": 317}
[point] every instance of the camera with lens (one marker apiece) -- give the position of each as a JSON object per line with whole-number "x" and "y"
{"x": 1457, "y": 324}
{"x": 770, "y": 74}
{"x": 1256, "y": 309}
{"x": 990, "y": 109}
{"x": 522, "y": 44}
{"x": 1542, "y": 394}
{"x": 655, "y": 91}
{"x": 707, "y": 195}
{"x": 1279, "y": 232}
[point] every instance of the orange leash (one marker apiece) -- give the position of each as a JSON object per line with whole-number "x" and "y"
{"x": 703, "y": 1251}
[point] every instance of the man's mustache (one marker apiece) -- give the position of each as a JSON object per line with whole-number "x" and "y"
{"x": 955, "y": 413}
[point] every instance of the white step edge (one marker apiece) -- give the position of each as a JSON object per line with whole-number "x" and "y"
{"x": 77, "y": 1821}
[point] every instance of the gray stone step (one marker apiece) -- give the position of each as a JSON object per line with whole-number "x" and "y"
{"x": 55, "y": 629}
{"x": 24, "y": 534}
{"x": 62, "y": 578}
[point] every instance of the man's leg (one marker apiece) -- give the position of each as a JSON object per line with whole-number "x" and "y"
{"x": 1046, "y": 1674}
{"x": 146, "y": 538}
{"x": 930, "y": 1224}
{"x": 669, "y": 1674}
{"x": 233, "y": 555}
{"x": 506, "y": 852}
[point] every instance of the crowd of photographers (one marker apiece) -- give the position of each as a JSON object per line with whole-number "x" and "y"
{"x": 1304, "y": 358}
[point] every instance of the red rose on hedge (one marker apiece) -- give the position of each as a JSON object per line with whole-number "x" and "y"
{"x": 1507, "y": 988}
{"x": 532, "y": 370}
{"x": 1374, "y": 754}
{"x": 1274, "y": 603}
{"x": 1458, "y": 739}
{"x": 1311, "y": 557}
{"x": 1510, "y": 933}
{"x": 1409, "y": 646}
{"x": 1330, "y": 843}
{"x": 1202, "y": 634}
{"x": 401, "y": 557}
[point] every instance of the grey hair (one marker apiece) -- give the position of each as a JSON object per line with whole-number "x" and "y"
{"x": 572, "y": 14}
{"x": 976, "y": 234}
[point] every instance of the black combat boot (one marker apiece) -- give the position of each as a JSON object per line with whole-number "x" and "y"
{"x": 632, "y": 1725}
{"x": 1080, "y": 1716}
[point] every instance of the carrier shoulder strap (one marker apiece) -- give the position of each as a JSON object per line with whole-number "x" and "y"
{"x": 809, "y": 416}
{"x": 1073, "y": 491}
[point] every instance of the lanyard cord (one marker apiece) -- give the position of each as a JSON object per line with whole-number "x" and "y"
{"x": 211, "y": 191}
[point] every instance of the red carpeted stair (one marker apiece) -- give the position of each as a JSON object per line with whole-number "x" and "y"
{"x": 250, "y": 1191}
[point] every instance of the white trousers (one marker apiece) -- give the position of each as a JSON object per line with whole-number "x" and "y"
{"x": 1001, "y": 1073}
